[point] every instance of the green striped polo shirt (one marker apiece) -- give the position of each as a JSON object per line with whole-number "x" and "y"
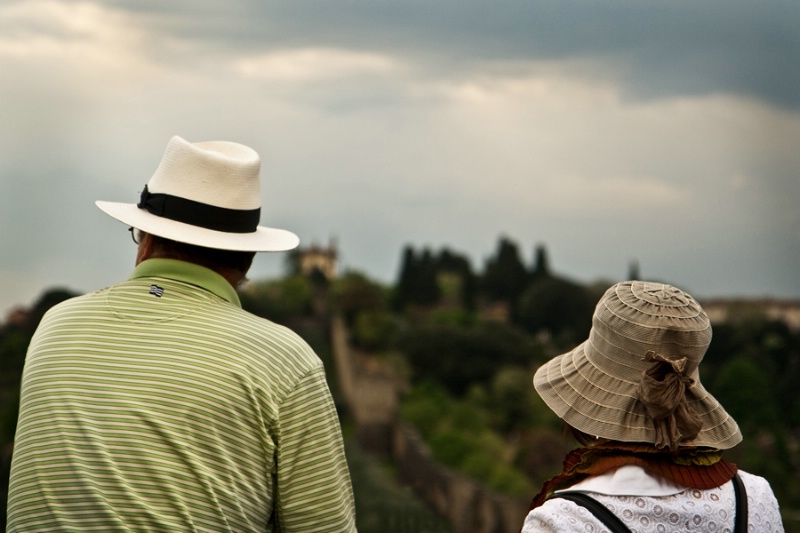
{"x": 159, "y": 404}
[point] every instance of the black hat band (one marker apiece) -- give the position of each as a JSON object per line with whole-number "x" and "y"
{"x": 200, "y": 214}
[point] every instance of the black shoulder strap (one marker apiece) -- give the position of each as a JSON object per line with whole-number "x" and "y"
{"x": 740, "y": 522}
{"x": 599, "y": 510}
{"x": 611, "y": 521}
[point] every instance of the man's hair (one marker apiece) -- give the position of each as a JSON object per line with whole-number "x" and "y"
{"x": 212, "y": 258}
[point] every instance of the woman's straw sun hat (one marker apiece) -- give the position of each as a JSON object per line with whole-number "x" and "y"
{"x": 636, "y": 379}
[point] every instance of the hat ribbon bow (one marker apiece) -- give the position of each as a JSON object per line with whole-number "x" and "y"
{"x": 662, "y": 390}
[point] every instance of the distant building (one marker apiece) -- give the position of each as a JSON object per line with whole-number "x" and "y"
{"x": 317, "y": 258}
{"x": 723, "y": 310}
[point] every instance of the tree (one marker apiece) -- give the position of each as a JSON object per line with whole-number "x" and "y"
{"x": 279, "y": 300}
{"x": 363, "y": 305}
{"x": 418, "y": 282}
{"x": 426, "y": 288}
{"x": 513, "y": 402}
{"x": 557, "y": 306}
{"x": 458, "y": 357}
{"x": 405, "y": 281}
{"x": 747, "y": 393}
{"x": 458, "y": 265}
{"x": 47, "y": 300}
{"x": 541, "y": 263}
{"x": 505, "y": 276}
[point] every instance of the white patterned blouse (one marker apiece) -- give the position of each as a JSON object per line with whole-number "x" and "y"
{"x": 658, "y": 506}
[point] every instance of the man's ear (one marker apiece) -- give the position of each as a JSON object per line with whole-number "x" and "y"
{"x": 145, "y": 249}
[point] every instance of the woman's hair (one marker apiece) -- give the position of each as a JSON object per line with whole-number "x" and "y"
{"x": 217, "y": 260}
{"x": 584, "y": 439}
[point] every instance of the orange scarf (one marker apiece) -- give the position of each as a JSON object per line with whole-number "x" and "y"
{"x": 700, "y": 468}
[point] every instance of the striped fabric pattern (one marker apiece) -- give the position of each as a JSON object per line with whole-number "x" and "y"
{"x": 175, "y": 411}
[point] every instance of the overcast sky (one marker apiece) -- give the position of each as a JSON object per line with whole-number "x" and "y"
{"x": 663, "y": 132}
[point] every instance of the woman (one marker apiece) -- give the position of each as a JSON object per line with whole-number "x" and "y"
{"x": 652, "y": 436}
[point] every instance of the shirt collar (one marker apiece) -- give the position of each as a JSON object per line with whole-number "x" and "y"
{"x": 628, "y": 480}
{"x": 189, "y": 273}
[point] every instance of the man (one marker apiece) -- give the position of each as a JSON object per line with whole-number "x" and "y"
{"x": 158, "y": 404}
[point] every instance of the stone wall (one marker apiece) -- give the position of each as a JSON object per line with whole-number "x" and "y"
{"x": 371, "y": 394}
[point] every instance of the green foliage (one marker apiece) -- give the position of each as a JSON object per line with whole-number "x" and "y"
{"x": 382, "y": 505}
{"x": 558, "y": 306}
{"x": 450, "y": 287}
{"x": 452, "y": 446}
{"x": 47, "y": 300}
{"x": 511, "y": 393}
{"x": 541, "y": 263}
{"x": 537, "y": 300}
{"x": 427, "y": 279}
{"x": 471, "y": 397}
{"x": 752, "y": 367}
{"x": 751, "y": 357}
{"x": 374, "y": 330}
{"x": 452, "y": 317}
{"x": 458, "y": 357}
{"x": 743, "y": 387}
{"x": 425, "y": 407}
{"x": 508, "y": 479}
{"x": 418, "y": 280}
{"x": 456, "y": 279}
{"x": 505, "y": 276}
{"x": 460, "y": 435}
{"x": 464, "y": 435}
{"x": 279, "y": 300}
{"x": 364, "y": 306}
{"x": 13, "y": 345}
{"x": 353, "y": 294}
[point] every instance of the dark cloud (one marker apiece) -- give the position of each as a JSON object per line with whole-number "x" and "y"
{"x": 658, "y": 49}
{"x": 389, "y": 122}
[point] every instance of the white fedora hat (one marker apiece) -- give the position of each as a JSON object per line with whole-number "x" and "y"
{"x": 207, "y": 194}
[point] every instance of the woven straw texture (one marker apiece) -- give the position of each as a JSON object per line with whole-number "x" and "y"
{"x": 594, "y": 387}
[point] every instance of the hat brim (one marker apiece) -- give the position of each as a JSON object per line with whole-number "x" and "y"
{"x": 604, "y": 406}
{"x": 264, "y": 239}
